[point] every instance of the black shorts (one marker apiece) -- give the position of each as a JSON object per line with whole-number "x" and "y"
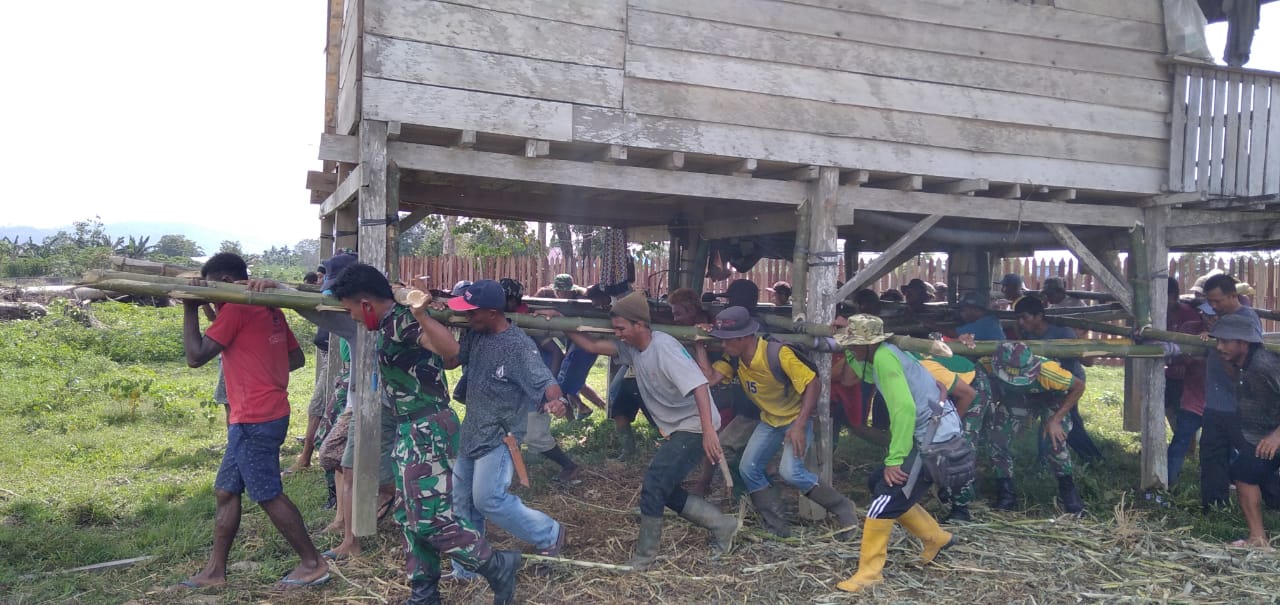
{"x": 1248, "y": 468}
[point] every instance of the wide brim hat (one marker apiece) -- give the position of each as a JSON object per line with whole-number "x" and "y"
{"x": 734, "y": 322}
{"x": 863, "y": 329}
{"x": 1015, "y": 364}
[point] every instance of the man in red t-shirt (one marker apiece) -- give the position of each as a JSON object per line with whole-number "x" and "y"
{"x": 258, "y": 352}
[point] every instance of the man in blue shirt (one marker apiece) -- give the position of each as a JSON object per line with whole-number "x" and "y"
{"x": 978, "y": 319}
{"x": 1032, "y": 325}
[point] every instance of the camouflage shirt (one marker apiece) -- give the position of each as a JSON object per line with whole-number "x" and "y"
{"x": 412, "y": 377}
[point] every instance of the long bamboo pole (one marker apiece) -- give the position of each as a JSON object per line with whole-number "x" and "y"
{"x": 1068, "y": 348}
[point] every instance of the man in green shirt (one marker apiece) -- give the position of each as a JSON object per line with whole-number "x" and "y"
{"x": 910, "y": 394}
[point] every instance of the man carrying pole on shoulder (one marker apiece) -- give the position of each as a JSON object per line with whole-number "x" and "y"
{"x": 919, "y": 416}
{"x": 413, "y": 352}
{"x": 676, "y": 393}
{"x": 787, "y": 396}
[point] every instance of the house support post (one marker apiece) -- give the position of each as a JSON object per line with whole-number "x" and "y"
{"x": 821, "y": 267}
{"x": 378, "y": 216}
{"x": 1144, "y": 378}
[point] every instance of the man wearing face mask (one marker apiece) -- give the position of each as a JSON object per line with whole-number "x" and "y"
{"x": 413, "y": 352}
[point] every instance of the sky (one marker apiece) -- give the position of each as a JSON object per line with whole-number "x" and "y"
{"x": 191, "y": 112}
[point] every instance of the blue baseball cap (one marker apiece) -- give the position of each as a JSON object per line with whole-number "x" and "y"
{"x": 484, "y": 294}
{"x": 334, "y": 266}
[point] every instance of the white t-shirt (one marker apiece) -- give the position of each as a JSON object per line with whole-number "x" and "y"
{"x": 667, "y": 376}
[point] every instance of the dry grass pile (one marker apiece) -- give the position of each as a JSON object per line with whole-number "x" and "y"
{"x": 1003, "y": 558}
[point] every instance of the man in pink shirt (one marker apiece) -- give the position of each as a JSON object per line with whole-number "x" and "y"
{"x": 258, "y": 352}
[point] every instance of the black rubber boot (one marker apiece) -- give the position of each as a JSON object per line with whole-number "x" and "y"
{"x": 1006, "y": 498}
{"x": 768, "y": 502}
{"x": 959, "y": 514}
{"x": 646, "y": 544}
{"x": 500, "y": 570}
{"x": 1071, "y": 502}
{"x": 426, "y": 591}
{"x": 837, "y": 504}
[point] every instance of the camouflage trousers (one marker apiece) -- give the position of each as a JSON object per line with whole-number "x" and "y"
{"x": 975, "y": 419}
{"x": 423, "y": 452}
{"x": 1009, "y": 418}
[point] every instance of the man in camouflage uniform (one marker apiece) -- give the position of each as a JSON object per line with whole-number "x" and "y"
{"x": 1028, "y": 385}
{"x": 411, "y": 346}
{"x": 970, "y": 390}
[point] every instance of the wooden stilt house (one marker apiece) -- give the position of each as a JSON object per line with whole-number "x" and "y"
{"x": 979, "y": 128}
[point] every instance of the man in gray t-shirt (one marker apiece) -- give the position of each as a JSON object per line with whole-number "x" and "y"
{"x": 667, "y": 377}
{"x": 676, "y": 393}
{"x": 506, "y": 379}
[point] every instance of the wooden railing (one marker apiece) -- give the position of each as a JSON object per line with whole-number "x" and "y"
{"x": 1225, "y": 137}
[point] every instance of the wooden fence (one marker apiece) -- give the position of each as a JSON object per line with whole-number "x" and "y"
{"x": 651, "y": 272}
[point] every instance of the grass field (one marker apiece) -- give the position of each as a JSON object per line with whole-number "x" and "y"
{"x": 110, "y": 446}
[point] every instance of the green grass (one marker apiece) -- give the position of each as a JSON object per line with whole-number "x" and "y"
{"x": 111, "y": 443}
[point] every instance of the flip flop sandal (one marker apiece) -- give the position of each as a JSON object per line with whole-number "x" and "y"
{"x": 186, "y": 585}
{"x": 286, "y": 583}
{"x": 335, "y": 556}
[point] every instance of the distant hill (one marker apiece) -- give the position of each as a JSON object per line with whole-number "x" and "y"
{"x": 208, "y": 238}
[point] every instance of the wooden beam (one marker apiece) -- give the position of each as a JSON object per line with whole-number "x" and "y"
{"x": 820, "y": 305}
{"x": 892, "y": 256}
{"x": 444, "y": 160}
{"x": 614, "y": 153}
{"x": 1091, "y": 262}
{"x": 1009, "y": 191}
{"x": 1151, "y": 372}
{"x": 855, "y": 177}
{"x": 911, "y": 182}
{"x": 413, "y": 218}
{"x": 343, "y": 195}
{"x": 963, "y": 206}
{"x": 322, "y": 181}
{"x": 375, "y": 235}
{"x": 466, "y": 139}
{"x": 804, "y": 173}
{"x": 339, "y": 148}
{"x": 393, "y": 131}
{"x": 744, "y": 225}
{"x": 1191, "y": 218}
{"x": 465, "y": 201}
{"x": 672, "y": 161}
{"x": 1225, "y": 235}
{"x": 1174, "y": 199}
{"x": 535, "y": 148}
{"x": 744, "y": 167}
{"x": 1061, "y": 195}
{"x": 961, "y": 187}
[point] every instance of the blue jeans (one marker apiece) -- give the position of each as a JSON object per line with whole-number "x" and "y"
{"x": 480, "y": 494}
{"x": 765, "y": 441}
{"x": 1184, "y": 432}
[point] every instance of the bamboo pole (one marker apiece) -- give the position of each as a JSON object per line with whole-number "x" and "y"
{"x": 1068, "y": 348}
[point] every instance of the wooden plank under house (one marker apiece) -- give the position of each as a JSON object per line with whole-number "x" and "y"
{"x": 981, "y": 129}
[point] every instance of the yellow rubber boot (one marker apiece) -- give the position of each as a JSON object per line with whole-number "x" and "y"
{"x": 875, "y": 547}
{"x": 922, "y": 525}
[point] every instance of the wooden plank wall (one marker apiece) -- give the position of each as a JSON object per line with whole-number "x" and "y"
{"x": 349, "y": 69}
{"x": 1067, "y": 96}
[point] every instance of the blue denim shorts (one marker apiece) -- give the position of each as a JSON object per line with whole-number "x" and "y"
{"x": 252, "y": 460}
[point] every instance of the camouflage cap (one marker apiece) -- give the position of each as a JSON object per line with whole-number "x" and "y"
{"x": 1015, "y": 364}
{"x": 562, "y": 282}
{"x": 863, "y": 329}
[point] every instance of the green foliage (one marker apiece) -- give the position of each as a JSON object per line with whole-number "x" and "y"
{"x": 177, "y": 245}
{"x": 496, "y": 238}
{"x": 424, "y": 238}
{"x": 64, "y": 254}
{"x": 231, "y": 246}
{"x": 136, "y": 247}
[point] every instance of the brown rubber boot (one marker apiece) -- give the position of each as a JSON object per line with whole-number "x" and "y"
{"x": 768, "y": 502}
{"x": 722, "y": 526}
{"x": 837, "y": 504}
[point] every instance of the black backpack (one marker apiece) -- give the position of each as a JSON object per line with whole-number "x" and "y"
{"x": 773, "y": 353}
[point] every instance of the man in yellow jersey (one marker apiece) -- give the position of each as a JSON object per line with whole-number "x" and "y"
{"x": 782, "y": 385}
